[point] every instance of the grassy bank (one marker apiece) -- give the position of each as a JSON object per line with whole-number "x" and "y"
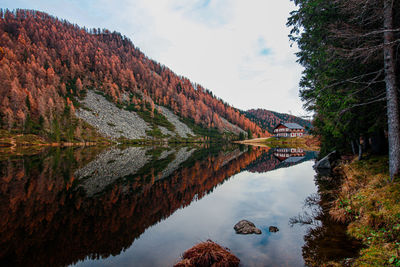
{"x": 308, "y": 142}
{"x": 371, "y": 206}
{"x": 254, "y": 142}
{"x": 16, "y": 143}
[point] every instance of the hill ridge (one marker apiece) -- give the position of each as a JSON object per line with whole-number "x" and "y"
{"x": 50, "y": 64}
{"x": 268, "y": 119}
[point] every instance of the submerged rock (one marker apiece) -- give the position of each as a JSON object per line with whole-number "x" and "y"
{"x": 246, "y": 227}
{"x": 208, "y": 253}
{"x": 273, "y": 229}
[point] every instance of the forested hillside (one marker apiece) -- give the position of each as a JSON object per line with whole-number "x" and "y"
{"x": 267, "y": 119}
{"x": 47, "y": 65}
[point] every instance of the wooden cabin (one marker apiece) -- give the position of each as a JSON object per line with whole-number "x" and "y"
{"x": 288, "y": 130}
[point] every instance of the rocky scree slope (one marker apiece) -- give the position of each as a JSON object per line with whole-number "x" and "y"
{"x": 115, "y": 122}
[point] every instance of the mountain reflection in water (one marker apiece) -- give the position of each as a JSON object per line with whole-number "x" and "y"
{"x": 68, "y": 205}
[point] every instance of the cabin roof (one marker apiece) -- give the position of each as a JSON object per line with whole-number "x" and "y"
{"x": 291, "y": 125}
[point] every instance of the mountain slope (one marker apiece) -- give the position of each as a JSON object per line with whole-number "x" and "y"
{"x": 267, "y": 119}
{"x": 48, "y": 66}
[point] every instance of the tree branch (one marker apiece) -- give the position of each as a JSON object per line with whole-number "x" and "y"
{"x": 362, "y": 104}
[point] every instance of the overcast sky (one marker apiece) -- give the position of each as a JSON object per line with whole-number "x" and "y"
{"x": 238, "y": 49}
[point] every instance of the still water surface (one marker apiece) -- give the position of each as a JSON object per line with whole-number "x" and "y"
{"x": 144, "y": 207}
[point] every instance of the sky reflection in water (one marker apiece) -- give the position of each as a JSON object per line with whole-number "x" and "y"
{"x": 266, "y": 199}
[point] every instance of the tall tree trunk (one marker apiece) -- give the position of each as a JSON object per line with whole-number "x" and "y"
{"x": 360, "y": 150}
{"x": 352, "y": 147}
{"x": 391, "y": 91}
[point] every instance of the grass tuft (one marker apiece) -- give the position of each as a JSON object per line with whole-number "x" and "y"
{"x": 208, "y": 253}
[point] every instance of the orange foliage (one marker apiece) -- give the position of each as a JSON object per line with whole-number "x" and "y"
{"x": 38, "y": 221}
{"x": 42, "y": 52}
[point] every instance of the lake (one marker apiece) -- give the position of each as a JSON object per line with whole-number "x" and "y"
{"x": 144, "y": 206}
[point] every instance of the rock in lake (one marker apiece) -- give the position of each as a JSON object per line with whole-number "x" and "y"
{"x": 273, "y": 229}
{"x": 325, "y": 163}
{"x": 245, "y": 227}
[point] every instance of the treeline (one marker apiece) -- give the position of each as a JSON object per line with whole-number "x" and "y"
{"x": 267, "y": 119}
{"x": 46, "y": 63}
{"x": 350, "y": 52}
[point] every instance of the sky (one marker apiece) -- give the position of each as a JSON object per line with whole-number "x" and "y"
{"x": 238, "y": 49}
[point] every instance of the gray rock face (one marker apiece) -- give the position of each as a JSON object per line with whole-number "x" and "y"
{"x": 110, "y": 120}
{"x": 325, "y": 163}
{"x": 182, "y": 129}
{"x": 246, "y": 227}
{"x": 165, "y": 131}
{"x": 273, "y": 229}
{"x": 229, "y": 127}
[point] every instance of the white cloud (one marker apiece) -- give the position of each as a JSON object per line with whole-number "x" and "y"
{"x": 237, "y": 49}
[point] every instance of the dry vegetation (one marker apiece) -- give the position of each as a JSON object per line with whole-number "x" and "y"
{"x": 207, "y": 254}
{"x": 14, "y": 144}
{"x": 307, "y": 142}
{"x": 371, "y": 206}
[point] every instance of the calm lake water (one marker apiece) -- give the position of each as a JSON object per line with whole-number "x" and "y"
{"x": 136, "y": 206}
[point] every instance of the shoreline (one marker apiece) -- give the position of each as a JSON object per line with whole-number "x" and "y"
{"x": 12, "y": 142}
{"x": 307, "y": 142}
{"x": 369, "y": 205}
{"x": 255, "y": 142}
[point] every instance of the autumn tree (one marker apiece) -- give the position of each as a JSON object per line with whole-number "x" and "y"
{"x": 58, "y": 59}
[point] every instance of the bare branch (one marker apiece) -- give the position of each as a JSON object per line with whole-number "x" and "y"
{"x": 362, "y": 104}
{"x": 352, "y": 80}
{"x": 354, "y": 35}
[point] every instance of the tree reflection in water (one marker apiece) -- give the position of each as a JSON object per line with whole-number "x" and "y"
{"x": 68, "y": 205}
{"x": 52, "y": 217}
{"x": 326, "y": 240}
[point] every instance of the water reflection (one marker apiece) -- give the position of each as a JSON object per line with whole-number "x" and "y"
{"x": 280, "y": 158}
{"x": 326, "y": 239}
{"x": 87, "y": 205}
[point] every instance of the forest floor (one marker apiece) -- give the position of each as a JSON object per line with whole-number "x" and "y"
{"x": 370, "y": 204}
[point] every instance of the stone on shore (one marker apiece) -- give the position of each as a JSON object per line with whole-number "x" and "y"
{"x": 325, "y": 163}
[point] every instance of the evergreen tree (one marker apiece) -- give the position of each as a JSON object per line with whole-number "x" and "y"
{"x": 249, "y": 134}
{"x": 347, "y": 49}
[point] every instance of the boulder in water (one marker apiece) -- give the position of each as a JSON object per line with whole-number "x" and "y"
{"x": 246, "y": 227}
{"x": 273, "y": 229}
